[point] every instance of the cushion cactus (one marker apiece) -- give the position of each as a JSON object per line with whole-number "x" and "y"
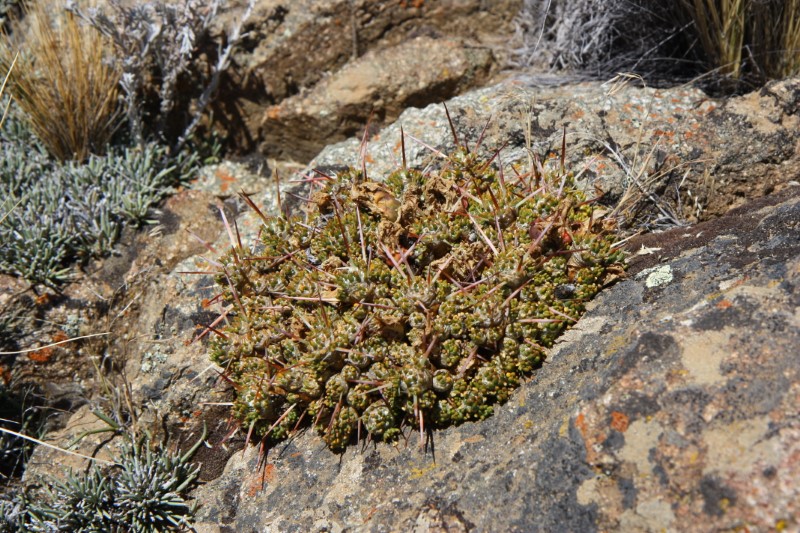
{"x": 422, "y": 300}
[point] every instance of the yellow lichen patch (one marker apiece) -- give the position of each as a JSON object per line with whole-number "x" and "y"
{"x": 418, "y": 473}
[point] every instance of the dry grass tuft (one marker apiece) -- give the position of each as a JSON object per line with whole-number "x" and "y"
{"x": 720, "y": 27}
{"x": 63, "y": 82}
{"x": 775, "y": 43}
{"x": 741, "y": 43}
{"x": 747, "y": 39}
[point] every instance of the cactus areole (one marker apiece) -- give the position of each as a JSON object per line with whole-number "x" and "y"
{"x": 418, "y": 301}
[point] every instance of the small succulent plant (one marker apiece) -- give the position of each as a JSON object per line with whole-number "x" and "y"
{"x": 422, "y": 300}
{"x": 143, "y": 492}
{"x": 56, "y": 212}
{"x": 13, "y": 512}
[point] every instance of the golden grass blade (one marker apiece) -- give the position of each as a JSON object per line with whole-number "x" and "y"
{"x": 42, "y": 443}
{"x": 3, "y": 89}
{"x": 55, "y": 344}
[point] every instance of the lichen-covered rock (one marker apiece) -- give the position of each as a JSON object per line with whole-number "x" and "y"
{"x": 376, "y": 87}
{"x": 671, "y": 403}
{"x": 664, "y": 408}
{"x": 419, "y": 301}
{"x": 290, "y": 47}
{"x": 697, "y": 156}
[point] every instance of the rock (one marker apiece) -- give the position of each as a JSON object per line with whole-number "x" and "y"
{"x": 669, "y": 404}
{"x": 698, "y": 155}
{"x": 291, "y": 46}
{"x": 672, "y": 401}
{"x": 375, "y": 87}
{"x": 128, "y": 300}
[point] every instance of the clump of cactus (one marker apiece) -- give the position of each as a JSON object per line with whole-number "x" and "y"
{"x": 419, "y": 301}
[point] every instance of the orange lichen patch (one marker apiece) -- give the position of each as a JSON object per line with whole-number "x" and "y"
{"x": 578, "y": 114}
{"x": 619, "y": 421}
{"x": 269, "y": 472}
{"x": 205, "y": 302}
{"x": 59, "y": 336}
{"x": 41, "y": 356}
{"x": 267, "y": 475}
{"x": 416, "y": 4}
{"x": 724, "y": 304}
{"x": 45, "y": 354}
{"x": 226, "y": 179}
{"x": 5, "y": 375}
{"x": 583, "y": 427}
{"x": 273, "y": 112}
{"x": 224, "y": 175}
{"x": 589, "y": 440}
{"x": 44, "y": 299}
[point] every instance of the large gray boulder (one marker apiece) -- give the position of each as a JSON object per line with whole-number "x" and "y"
{"x": 671, "y": 403}
{"x": 687, "y": 155}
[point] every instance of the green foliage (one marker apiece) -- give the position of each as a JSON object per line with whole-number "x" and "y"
{"x": 144, "y": 492}
{"x": 420, "y": 301}
{"x": 63, "y": 211}
{"x": 13, "y": 512}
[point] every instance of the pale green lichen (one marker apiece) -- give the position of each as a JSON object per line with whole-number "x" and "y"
{"x": 420, "y": 301}
{"x": 657, "y": 276}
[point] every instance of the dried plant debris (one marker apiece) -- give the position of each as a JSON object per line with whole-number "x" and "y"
{"x": 728, "y": 44}
{"x": 420, "y": 301}
{"x": 597, "y": 38}
{"x": 170, "y": 72}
